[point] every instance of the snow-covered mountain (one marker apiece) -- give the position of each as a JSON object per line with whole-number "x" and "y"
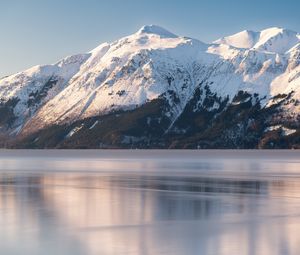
{"x": 153, "y": 64}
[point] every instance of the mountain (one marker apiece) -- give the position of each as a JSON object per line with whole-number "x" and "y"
{"x": 154, "y": 89}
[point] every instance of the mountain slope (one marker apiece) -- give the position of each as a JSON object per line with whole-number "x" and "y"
{"x": 188, "y": 77}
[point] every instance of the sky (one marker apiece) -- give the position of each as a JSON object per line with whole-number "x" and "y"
{"x": 36, "y": 32}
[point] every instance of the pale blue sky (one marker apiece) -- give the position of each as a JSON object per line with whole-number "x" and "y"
{"x": 43, "y": 31}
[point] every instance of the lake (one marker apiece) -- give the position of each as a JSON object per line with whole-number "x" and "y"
{"x": 149, "y": 202}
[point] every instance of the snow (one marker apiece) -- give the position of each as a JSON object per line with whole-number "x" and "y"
{"x": 241, "y": 102}
{"x": 277, "y": 40}
{"x": 285, "y": 131}
{"x": 23, "y": 84}
{"x": 245, "y": 39}
{"x": 74, "y": 131}
{"x": 153, "y": 29}
{"x": 151, "y": 62}
{"x": 94, "y": 125}
{"x": 273, "y": 128}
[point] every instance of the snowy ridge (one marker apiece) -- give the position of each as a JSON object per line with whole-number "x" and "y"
{"x": 276, "y": 40}
{"x": 152, "y": 63}
{"x": 23, "y": 84}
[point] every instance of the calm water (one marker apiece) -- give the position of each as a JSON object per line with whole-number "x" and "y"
{"x": 154, "y": 202}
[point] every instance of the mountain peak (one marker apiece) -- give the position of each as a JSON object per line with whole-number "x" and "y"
{"x": 276, "y": 39}
{"x": 157, "y": 30}
{"x": 273, "y": 39}
{"x": 273, "y": 31}
{"x": 243, "y": 39}
{"x": 278, "y": 30}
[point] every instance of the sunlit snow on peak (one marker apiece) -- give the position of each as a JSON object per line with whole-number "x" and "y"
{"x": 157, "y": 30}
{"x": 274, "y": 39}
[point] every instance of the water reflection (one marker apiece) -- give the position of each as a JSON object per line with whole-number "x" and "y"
{"x": 150, "y": 212}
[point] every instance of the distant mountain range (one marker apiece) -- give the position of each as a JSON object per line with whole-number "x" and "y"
{"x": 154, "y": 89}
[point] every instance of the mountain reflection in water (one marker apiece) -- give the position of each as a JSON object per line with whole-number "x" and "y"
{"x": 140, "y": 204}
